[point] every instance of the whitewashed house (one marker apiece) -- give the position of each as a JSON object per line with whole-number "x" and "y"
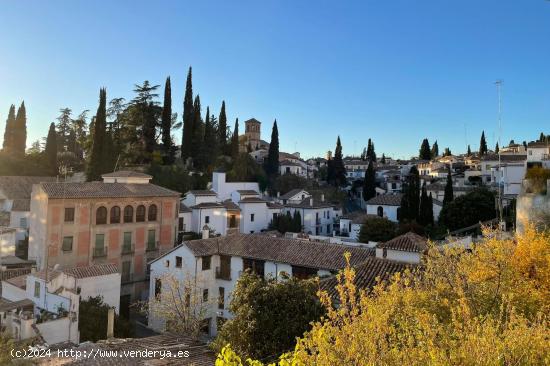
{"x": 385, "y": 205}
{"x": 407, "y": 248}
{"x": 45, "y": 304}
{"x": 538, "y": 154}
{"x": 294, "y": 196}
{"x": 215, "y": 265}
{"x": 318, "y": 216}
{"x": 224, "y": 189}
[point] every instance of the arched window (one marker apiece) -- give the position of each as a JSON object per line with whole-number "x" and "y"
{"x": 152, "y": 214}
{"x": 380, "y": 211}
{"x": 101, "y": 216}
{"x": 140, "y": 213}
{"x": 115, "y": 215}
{"x": 128, "y": 214}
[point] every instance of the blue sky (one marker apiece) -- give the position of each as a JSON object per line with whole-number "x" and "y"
{"x": 395, "y": 71}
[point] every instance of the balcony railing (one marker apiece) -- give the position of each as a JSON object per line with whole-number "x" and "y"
{"x": 152, "y": 247}
{"x": 127, "y": 249}
{"x": 127, "y": 277}
{"x": 100, "y": 252}
{"x": 223, "y": 273}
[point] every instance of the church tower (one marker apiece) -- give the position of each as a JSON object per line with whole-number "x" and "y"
{"x": 252, "y": 132}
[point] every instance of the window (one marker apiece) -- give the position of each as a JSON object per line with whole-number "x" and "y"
{"x": 151, "y": 235}
{"x": 206, "y": 219}
{"x": 221, "y": 298}
{"x": 126, "y": 269}
{"x": 206, "y": 262}
{"x": 69, "y": 214}
{"x": 179, "y": 262}
{"x": 380, "y": 211}
{"x": 36, "y": 289}
{"x": 251, "y": 217}
{"x": 115, "y": 215}
{"x": 158, "y": 286}
{"x": 23, "y": 222}
{"x": 101, "y": 216}
{"x": 67, "y": 244}
{"x": 127, "y": 244}
{"x": 180, "y": 224}
{"x": 303, "y": 272}
{"x": 128, "y": 214}
{"x": 205, "y": 295}
{"x": 254, "y": 265}
{"x": 140, "y": 213}
{"x": 152, "y": 214}
{"x": 99, "y": 249}
{"x": 328, "y": 229}
{"x": 232, "y": 221}
{"x": 393, "y": 186}
{"x": 384, "y": 252}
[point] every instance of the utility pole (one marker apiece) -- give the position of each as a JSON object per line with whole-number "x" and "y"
{"x": 498, "y": 84}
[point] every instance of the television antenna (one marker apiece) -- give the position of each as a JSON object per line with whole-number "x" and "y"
{"x": 498, "y": 84}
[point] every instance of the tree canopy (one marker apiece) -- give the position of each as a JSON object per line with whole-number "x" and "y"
{"x": 377, "y": 229}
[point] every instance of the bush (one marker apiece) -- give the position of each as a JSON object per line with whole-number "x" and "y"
{"x": 377, "y": 229}
{"x": 93, "y": 321}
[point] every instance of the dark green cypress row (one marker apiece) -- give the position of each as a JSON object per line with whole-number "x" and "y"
{"x": 96, "y": 165}
{"x": 197, "y": 130}
{"x": 435, "y": 150}
{"x": 235, "y": 141}
{"x": 449, "y": 195}
{"x": 188, "y": 118}
{"x": 8, "y": 132}
{"x": 50, "y": 152}
{"x": 425, "y": 151}
{"x": 469, "y": 152}
{"x": 338, "y": 169}
{"x": 222, "y": 131}
{"x": 272, "y": 163}
{"x": 482, "y": 144}
{"x": 166, "y": 124}
{"x": 19, "y": 136}
{"x": 369, "y": 184}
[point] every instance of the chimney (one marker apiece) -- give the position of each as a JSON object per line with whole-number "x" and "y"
{"x": 205, "y": 232}
{"x": 322, "y": 197}
{"x": 111, "y": 323}
{"x": 311, "y": 201}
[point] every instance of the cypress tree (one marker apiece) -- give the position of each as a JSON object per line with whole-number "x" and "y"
{"x": 96, "y": 165}
{"x": 541, "y": 137}
{"x": 469, "y": 153}
{"x": 235, "y": 141}
{"x": 497, "y": 148}
{"x": 222, "y": 130}
{"x": 338, "y": 168}
{"x": 272, "y": 162}
{"x": 369, "y": 184}
{"x": 482, "y": 144}
{"x": 19, "y": 136}
{"x": 435, "y": 150}
{"x": 166, "y": 124}
{"x": 425, "y": 152}
{"x": 188, "y": 118}
{"x": 383, "y": 160}
{"x": 447, "y": 152}
{"x": 425, "y": 216}
{"x": 369, "y": 149}
{"x": 410, "y": 202}
{"x": 297, "y": 222}
{"x": 8, "y": 132}
{"x": 208, "y": 146}
{"x": 372, "y": 156}
{"x": 197, "y": 129}
{"x": 449, "y": 195}
{"x": 50, "y": 152}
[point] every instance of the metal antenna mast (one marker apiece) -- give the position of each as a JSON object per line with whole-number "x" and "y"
{"x": 498, "y": 84}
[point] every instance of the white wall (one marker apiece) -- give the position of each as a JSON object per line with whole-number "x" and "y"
{"x": 217, "y": 216}
{"x": 7, "y": 242}
{"x": 59, "y": 331}
{"x": 224, "y": 189}
{"x": 389, "y": 212}
{"x": 261, "y": 219}
{"x": 107, "y": 286}
{"x": 399, "y": 255}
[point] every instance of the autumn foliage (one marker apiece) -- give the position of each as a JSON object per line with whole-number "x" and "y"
{"x": 487, "y": 307}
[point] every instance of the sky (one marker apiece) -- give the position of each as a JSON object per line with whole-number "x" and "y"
{"x": 396, "y": 71}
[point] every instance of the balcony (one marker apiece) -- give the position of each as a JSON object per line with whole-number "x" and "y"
{"x": 152, "y": 247}
{"x": 100, "y": 252}
{"x": 127, "y": 249}
{"x": 127, "y": 277}
{"x": 223, "y": 273}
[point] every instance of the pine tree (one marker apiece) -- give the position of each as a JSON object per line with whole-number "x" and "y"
{"x": 410, "y": 201}
{"x": 482, "y": 145}
{"x": 497, "y": 148}
{"x": 197, "y": 130}
{"x": 449, "y": 195}
{"x": 435, "y": 150}
{"x": 166, "y": 125}
{"x": 425, "y": 152}
{"x": 369, "y": 184}
{"x": 96, "y": 165}
{"x": 469, "y": 153}
{"x": 63, "y": 128}
{"x": 20, "y": 131}
{"x": 9, "y": 131}
{"x": 50, "y": 151}
{"x": 235, "y": 141}
{"x": 425, "y": 216}
{"x": 338, "y": 169}
{"x": 188, "y": 118}
{"x": 272, "y": 162}
{"x": 222, "y": 130}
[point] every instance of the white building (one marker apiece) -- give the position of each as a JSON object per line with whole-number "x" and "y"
{"x": 224, "y": 189}
{"x": 217, "y": 263}
{"x": 407, "y": 248}
{"x": 318, "y": 216}
{"x": 45, "y": 304}
{"x": 350, "y": 224}
{"x": 538, "y": 154}
{"x": 385, "y": 205}
{"x": 294, "y": 196}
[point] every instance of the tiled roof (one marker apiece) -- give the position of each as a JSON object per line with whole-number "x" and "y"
{"x": 306, "y": 203}
{"x": 537, "y": 144}
{"x": 274, "y": 205}
{"x": 283, "y": 250}
{"x": 230, "y": 205}
{"x": 288, "y": 163}
{"x": 504, "y": 157}
{"x": 386, "y": 199}
{"x": 252, "y": 120}
{"x": 291, "y": 193}
{"x": 184, "y": 208}
{"x": 252, "y": 200}
{"x": 247, "y": 191}
{"x": 200, "y": 353}
{"x": 441, "y": 187}
{"x": 126, "y": 174}
{"x": 368, "y": 274}
{"x": 105, "y": 190}
{"x": 19, "y": 281}
{"x": 208, "y": 205}
{"x": 21, "y": 205}
{"x": 91, "y": 271}
{"x": 6, "y": 305}
{"x": 14, "y": 187}
{"x": 202, "y": 192}
{"x": 409, "y": 242}
{"x": 358, "y": 217}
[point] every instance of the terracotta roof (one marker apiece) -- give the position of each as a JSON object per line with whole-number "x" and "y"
{"x": 386, "y": 199}
{"x": 368, "y": 274}
{"x": 7, "y": 305}
{"x": 202, "y": 192}
{"x": 306, "y": 203}
{"x": 409, "y": 242}
{"x": 358, "y": 217}
{"x": 200, "y": 353}
{"x": 441, "y": 187}
{"x": 247, "y": 191}
{"x": 504, "y": 157}
{"x": 19, "y": 281}
{"x": 104, "y": 190}
{"x": 274, "y": 205}
{"x": 252, "y": 120}
{"x": 252, "y": 200}
{"x": 230, "y": 205}
{"x": 288, "y": 163}
{"x": 91, "y": 271}
{"x": 14, "y": 187}
{"x": 291, "y": 193}
{"x": 208, "y": 205}
{"x": 126, "y": 174}
{"x": 184, "y": 208}
{"x": 537, "y": 144}
{"x": 283, "y": 250}
{"x": 21, "y": 205}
